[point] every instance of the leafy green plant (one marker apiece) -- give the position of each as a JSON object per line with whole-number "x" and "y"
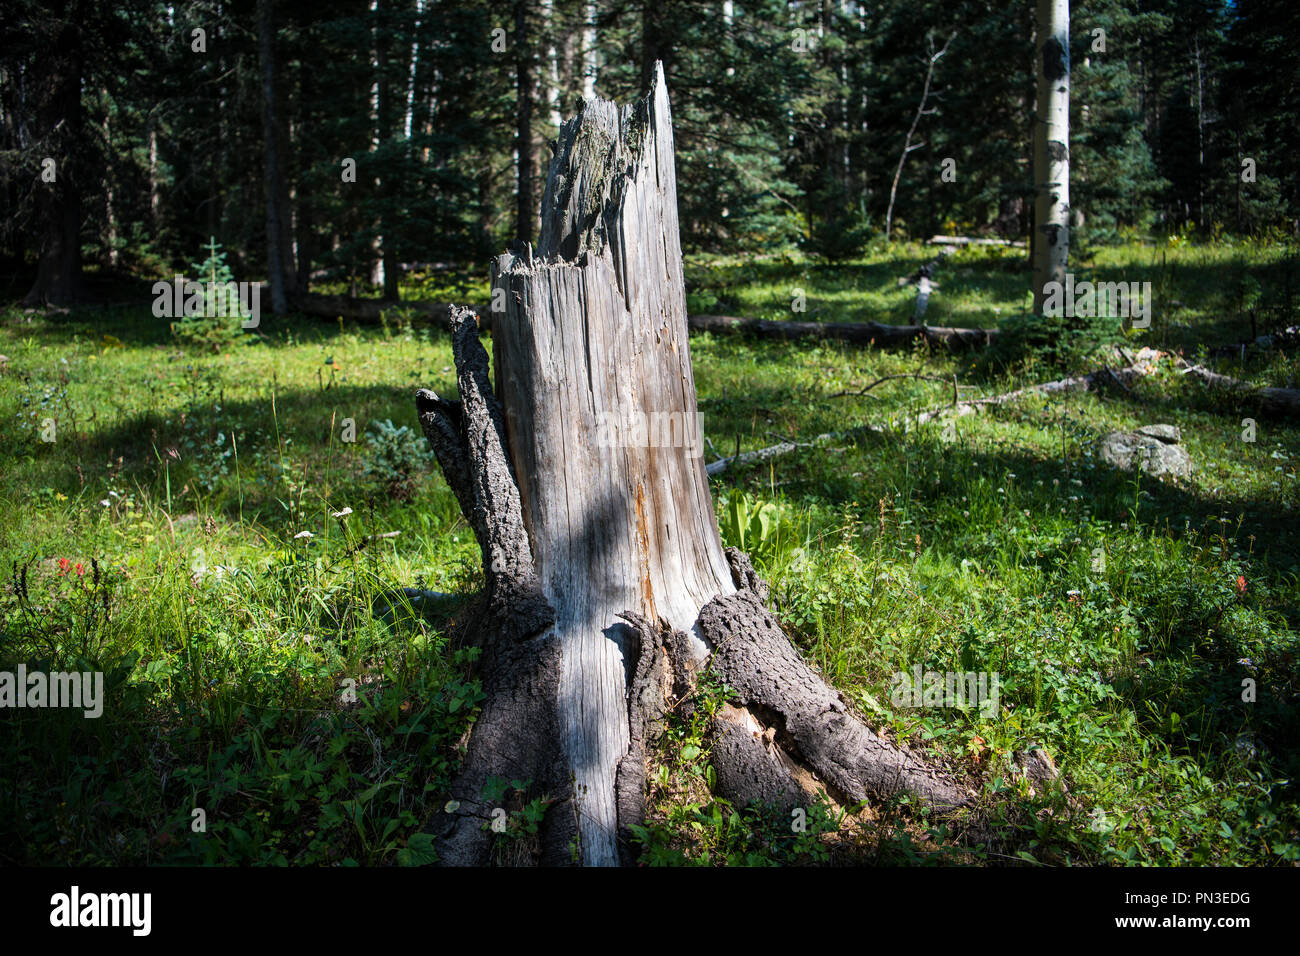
{"x": 1070, "y": 344}
{"x": 396, "y": 455}
{"x": 758, "y": 528}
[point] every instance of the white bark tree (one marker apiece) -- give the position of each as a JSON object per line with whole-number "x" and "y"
{"x": 1052, "y": 148}
{"x": 590, "y": 53}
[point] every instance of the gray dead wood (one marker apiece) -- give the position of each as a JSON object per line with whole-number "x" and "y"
{"x": 856, "y": 333}
{"x": 753, "y": 656}
{"x": 607, "y": 584}
{"x": 973, "y": 241}
{"x": 1101, "y": 378}
{"x": 1282, "y": 402}
{"x": 516, "y": 734}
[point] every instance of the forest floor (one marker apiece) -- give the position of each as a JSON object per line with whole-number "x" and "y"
{"x": 201, "y": 529}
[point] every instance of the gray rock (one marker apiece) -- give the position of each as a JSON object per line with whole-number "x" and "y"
{"x": 1169, "y": 434}
{"x": 1150, "y": 453}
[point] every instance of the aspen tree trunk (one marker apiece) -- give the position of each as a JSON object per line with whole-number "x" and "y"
{"x": 378, "y": 274}
{"x": 305, "y": 243}
{"x": 1052, "y": 148}
{"x": 155, "y": 189}
{"x": 110, "y": 215}
{"x": 552, "y": 67}
{"x": 391, "y": 77}
{"x": 590, "y": 55}
{"x": 607, "y": 584}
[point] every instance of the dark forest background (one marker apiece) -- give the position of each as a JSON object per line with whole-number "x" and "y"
{"x": 790, "y": 120}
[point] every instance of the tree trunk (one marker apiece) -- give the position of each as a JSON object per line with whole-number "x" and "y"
{"x": 523, "y": 124}
{"x": 110, "y": 212}
{"x": 931, "y": 60}
{"x": 590, "y": 53}
{"x": 59, "y": 117}
{"x": 607, "y": 583}
{"x": 1052, "y": 149}
{"x": 390, "y": 95}
{"x": 279, "y": 257}
{"x": 551, "y": 67}
{"x": 304, "y": 224}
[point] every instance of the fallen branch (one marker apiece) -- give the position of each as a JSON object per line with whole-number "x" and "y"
{"x": 1276, "y": 401}
{"x": 715, "y": 468}
{"x": 781, "y": 448}
{"x": 1144, "y": 364}
{"x": 886, "y": 378}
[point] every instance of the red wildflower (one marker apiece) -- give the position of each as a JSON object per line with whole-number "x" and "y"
{"x": 79, "y": 569}
{"x": 1241, "y": 584}
{"x": 64, "y": 564}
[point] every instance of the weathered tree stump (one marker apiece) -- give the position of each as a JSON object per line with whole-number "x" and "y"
{"x": 607, "y": 583}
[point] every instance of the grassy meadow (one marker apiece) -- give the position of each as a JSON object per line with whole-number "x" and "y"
{"x": 224, "y": 526}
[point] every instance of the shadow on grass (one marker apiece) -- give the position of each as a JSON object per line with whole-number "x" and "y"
{"x": 186, "y": 452}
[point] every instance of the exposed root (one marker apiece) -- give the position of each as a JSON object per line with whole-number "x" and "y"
{"x": 788, "y": 739}
{"x": 813, "y": 724}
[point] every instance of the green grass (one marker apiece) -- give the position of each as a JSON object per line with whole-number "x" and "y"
{"x": 182, "y": 481}
{"x": 1200, "y": 292}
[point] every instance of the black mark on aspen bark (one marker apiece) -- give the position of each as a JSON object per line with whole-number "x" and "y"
{"x": 1052, "y": 231}
{"x": 1056, "y": 60}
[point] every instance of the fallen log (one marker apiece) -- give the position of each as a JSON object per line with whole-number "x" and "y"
{"x": 974, "y": 241}
{"x": 1274, "y": 401}
{"x": 857, "y": 333}
{"x": 368, "y": 310}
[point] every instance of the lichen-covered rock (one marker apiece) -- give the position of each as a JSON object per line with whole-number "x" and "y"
{"x": 1169, "y": 434}
{"x": 1153, "y": 448}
